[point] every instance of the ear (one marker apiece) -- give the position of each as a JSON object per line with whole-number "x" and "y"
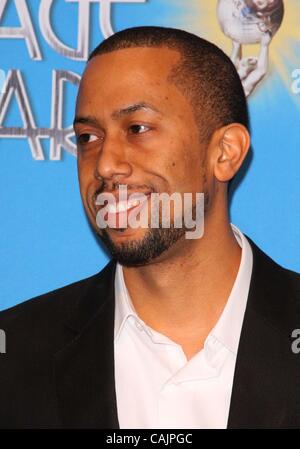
{"x": 232, "y": 144}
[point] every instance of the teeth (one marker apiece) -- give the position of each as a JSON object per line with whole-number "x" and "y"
{"x": 122, "y": 206}
{"x": 111, "y": 208}
{"x": 134, "y": 203}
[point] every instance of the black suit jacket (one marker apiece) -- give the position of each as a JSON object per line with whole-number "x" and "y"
{"x": 58, "y": 370}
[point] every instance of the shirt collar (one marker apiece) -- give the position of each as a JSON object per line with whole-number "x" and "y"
{"x": 228, "y": 328}
{"x": 124, "y": 307}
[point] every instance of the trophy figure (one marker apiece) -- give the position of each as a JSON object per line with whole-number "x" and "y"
{"x": 248, "y": 22}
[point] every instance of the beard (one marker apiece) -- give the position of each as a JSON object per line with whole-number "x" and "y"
{"x": 155, "y": 242}
{"x": 144, "y": 251}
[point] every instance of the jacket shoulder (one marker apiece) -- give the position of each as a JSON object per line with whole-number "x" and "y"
{"x": 274, "y": 291}
{"x": 56, "y": 303}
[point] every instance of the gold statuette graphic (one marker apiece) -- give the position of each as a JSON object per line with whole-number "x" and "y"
{"x": 248, "y": 22}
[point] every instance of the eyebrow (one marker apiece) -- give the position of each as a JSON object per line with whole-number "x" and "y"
{"x": 92, "y": 120}
{"x": 133, "y": 108}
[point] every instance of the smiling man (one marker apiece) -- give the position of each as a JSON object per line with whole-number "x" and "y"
{"x": 174, "y": 332}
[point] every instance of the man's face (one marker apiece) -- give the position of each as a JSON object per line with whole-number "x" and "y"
{"x": 135, "y": 128}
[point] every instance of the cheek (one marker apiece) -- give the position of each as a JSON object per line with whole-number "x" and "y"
{"x": 85, "y": 172}
{"x": 189, "y": 168}
{"x": 82, "y": 179}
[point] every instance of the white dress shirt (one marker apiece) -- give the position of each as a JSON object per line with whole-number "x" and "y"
{"x": 156, "y": 386}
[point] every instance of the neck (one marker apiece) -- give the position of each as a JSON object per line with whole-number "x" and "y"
{"x": 184, "y": 293}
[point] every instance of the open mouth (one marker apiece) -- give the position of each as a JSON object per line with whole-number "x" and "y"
{"x": 117, "y": 212}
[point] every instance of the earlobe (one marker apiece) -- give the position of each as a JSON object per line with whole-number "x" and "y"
{"x": 234, "y": 142}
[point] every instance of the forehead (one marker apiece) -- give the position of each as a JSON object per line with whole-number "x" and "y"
{"x": 119, "y": 75}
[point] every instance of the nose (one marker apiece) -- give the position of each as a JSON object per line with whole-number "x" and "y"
{"x": 112, "y": 163}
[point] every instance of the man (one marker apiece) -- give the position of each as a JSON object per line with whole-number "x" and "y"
{"x": 174, "y": 332}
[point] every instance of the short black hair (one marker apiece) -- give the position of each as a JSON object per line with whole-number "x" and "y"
{"x": 205, "y": 74}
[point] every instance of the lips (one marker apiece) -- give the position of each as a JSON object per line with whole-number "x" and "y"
{"x": 124, "y": 206}
{"x": 115, "y": 212}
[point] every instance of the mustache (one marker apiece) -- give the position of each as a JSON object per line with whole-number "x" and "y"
{"x": 114, "y": 186}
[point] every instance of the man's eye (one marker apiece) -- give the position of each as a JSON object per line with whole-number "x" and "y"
{"x": 86, "y": 138}
{"x": 138, "y": 129}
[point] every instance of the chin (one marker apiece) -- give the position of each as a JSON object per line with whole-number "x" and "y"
{"x": 138, "y": 247}
{"x": 125, "y": 234}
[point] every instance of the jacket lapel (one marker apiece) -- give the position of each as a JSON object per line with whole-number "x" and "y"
{"x": 84, "y": 368}
{"x": 263, "y": 391}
